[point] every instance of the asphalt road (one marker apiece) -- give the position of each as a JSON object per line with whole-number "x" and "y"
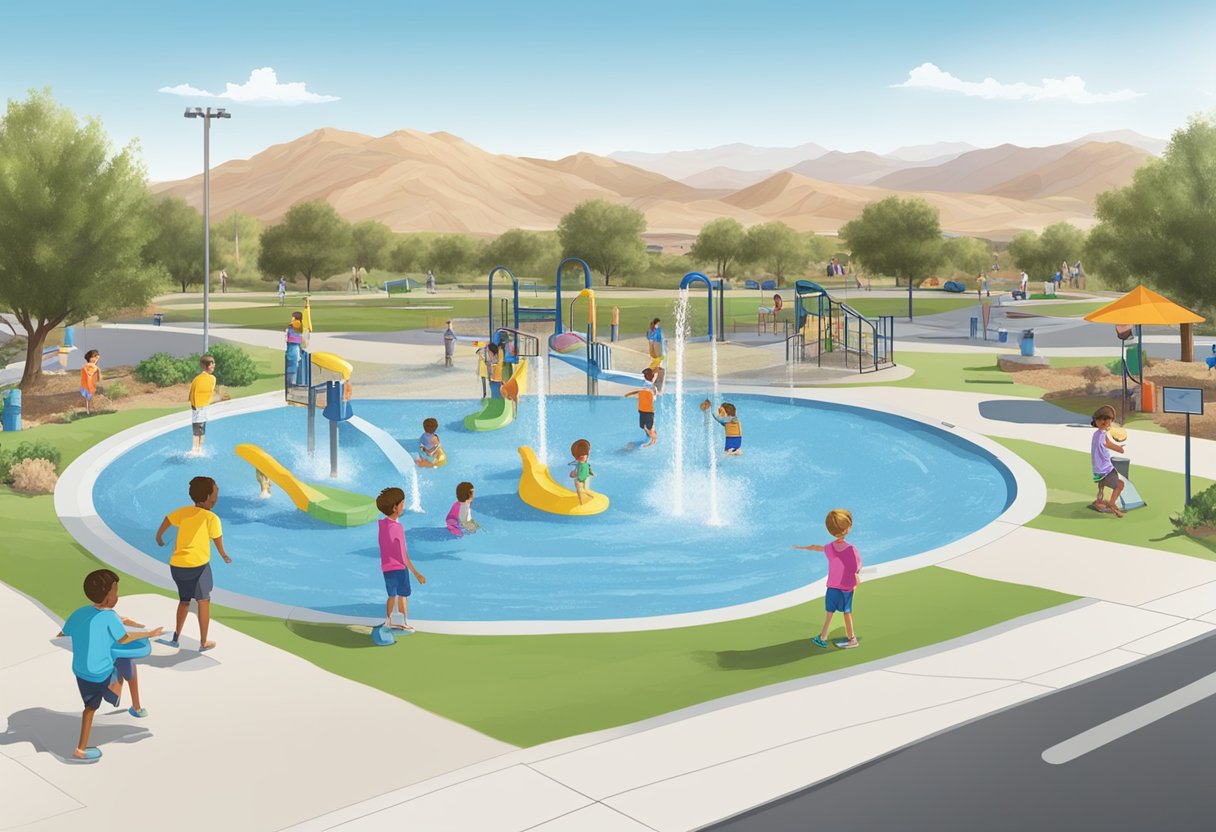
{"x": 990, "y": 774}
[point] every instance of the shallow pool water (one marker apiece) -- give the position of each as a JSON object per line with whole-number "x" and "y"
{"x": 910, "y": 488}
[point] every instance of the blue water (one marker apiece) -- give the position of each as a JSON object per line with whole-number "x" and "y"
{"x": 910, "y": 488}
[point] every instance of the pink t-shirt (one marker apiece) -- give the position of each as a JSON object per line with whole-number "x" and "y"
{"x": 392, "y": 545}
{"x": 843, "y": 565}
{"x": 454, "y": 519}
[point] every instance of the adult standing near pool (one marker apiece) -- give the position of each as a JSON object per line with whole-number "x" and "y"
{"x": 449, "y": 345}
{"x": 430, "y": 282}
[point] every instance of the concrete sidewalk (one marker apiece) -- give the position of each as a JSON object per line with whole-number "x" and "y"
{"x": 245, "y": 737}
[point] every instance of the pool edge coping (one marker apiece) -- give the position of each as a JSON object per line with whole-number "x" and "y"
{"x": 78, "y": 515}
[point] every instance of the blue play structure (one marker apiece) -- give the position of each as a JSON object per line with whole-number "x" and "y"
{"x": 828, "y": 326}
{"x": 710, "y": 286}
{"x": 1211, "y": 359}
{"x": 533, "y": 313}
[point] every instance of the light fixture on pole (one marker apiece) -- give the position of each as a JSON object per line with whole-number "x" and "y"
{"x": 206, "y": 116}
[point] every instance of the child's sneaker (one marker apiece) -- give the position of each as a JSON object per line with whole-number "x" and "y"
{"x": 819, "y": 642}
{"x": 848, "y": 644}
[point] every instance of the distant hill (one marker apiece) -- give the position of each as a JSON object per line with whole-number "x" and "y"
{"x": 679, "y": 164}
{"x": 938, "y": 152}
{"x": 415, "y": 181}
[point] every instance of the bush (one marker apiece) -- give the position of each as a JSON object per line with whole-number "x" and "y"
{"x": 9, "y": 459}
{"x": 1092, "y": 376}
{"x": 116, "y": 390}
{"x": 164, "y": 370}
{"x": 233, "y": 366}
{"x": 34, "y": 476}
{"x": 1200, "y": 513}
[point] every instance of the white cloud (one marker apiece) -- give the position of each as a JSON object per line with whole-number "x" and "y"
{"x": 263, "y": 87}
{"x": 929, "y": 76}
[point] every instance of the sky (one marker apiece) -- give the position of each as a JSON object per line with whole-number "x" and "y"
{"x": 553, "y": 78}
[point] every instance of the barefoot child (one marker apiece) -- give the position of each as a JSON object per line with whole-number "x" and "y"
{"x": 734, "y": 428}
{"x": 460, "y": 516}
{"x": 90, "y": 377}
{"x": 844, "y": 567}
{"x": 1105, "y": 474}
{"x": 190, "y": 564}
{"x": 394, "y": 559}
{"x": 430, "y": 452}
{"x": 646, "y": 406}
{"x": 95, "y": 630}
{"x": 581, "y": 451}
{"x": 201, "y": 390}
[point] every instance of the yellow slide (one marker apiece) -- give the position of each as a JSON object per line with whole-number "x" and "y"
{"x": 538, "y": 489}
{"x": 333, "y": 363}
{"x": 332, "y": 505}
{"x": 517, "y": 384}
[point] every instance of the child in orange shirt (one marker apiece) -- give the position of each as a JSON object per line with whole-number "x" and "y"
{"x": 90, "y": 375}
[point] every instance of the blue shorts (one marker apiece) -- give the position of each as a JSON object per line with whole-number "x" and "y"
{"x": 88, "y": 394}
{"x": 397, "y": 583}
{"x": 734, "y": 443}
{"x": 92, "y": 693}
{"x": 838, "y": 600}
{"x": 496, "y": 389}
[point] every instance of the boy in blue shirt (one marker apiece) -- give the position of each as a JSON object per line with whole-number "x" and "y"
{"x": 95, "y": 630}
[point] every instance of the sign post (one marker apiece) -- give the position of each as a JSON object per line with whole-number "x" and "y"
{"x": 1187, "y": 400}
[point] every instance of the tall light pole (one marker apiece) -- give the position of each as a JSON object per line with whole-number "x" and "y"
{"x": 206, "y": 116}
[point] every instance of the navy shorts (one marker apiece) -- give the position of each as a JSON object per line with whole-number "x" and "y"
{"x": 397, "y": 583}
{"x": 838, "y": 600}
{"x": 194, "y": 583}
{"x": 734, "y": 443}
{"x": 1110, "y": 480}
{"x": 646, "y": 419}
{"x": 92, "y": 693}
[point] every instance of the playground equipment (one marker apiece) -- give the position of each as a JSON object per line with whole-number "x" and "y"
{"x": 710, "y": 286}
{"x": 499, "y": 411}
{"x": 332, "y": 505}
{"x": 1129, "y": 498}
{"x": 538, "y": 489}
{"x": 400, "y": 286}
{"x": 322, "y": 379}
{"x": 833, "y": 326}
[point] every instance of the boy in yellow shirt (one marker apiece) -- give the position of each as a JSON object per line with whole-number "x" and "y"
{"x": 201, "y": 390}
{"x": 190, "y": 564}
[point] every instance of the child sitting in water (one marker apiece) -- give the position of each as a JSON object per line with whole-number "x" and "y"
{"x": 430, "y": 452}
{"x": 263, "y": 484}
{"x": 460, "y": 516}
{"x": 734, "y": 428}
{"x": 581, "y": 451}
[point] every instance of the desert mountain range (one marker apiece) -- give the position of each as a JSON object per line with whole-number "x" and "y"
{"x": 415, "y": 181}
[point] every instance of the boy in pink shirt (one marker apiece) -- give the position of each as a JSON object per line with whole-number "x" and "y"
{"x": 394, "y": 559}
{"x": 844, "y": 566}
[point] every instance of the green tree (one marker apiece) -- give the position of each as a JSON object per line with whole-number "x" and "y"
{"x": 524, "y": 252}
{"x": 371, "y": 243}
{"x": 74, "y": 221}
{"x": 777, "y": 248}
{"x": 177, "y": 244}
{"x": 1161, "y": 228}
{"x": 607, "y": 236}
{"x": 410, "y": 253}
{"x": 454, "y": 254}
{"x": 820, "y": 250}
{"x": 236, "y": 242}
{"x": 1041, "y": 255}
{"x": 899, "y": 237}
{"x": 967, "y": 255}
{"x": 311, "y": 241}
{"x": 720, "y": 242}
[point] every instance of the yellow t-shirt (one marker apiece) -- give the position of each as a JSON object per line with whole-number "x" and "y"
{"x": 196, "y": 528}
{"x": 201, "y": 389}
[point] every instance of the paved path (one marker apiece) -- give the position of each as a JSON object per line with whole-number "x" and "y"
{"x": 246, "y": 737}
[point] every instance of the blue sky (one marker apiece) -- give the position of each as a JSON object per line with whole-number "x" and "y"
{"x": 550, "y": 78}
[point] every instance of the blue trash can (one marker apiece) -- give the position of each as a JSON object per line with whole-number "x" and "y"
{"x": 11, "y": 419}
{"x": 975, "y": 327}
{"x": 1027, "y": 342}
{"x": 1002, "y": 336}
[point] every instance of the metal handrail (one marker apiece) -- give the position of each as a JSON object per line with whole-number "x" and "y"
{"x": 527, "y": 345}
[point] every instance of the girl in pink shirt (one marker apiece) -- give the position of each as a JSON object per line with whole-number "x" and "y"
{"x": 844, "y": 567}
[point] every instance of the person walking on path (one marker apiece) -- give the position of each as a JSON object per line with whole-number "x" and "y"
{"x": 449, "y": 345}
{"x": 223, "y": 281}
{"x": 430, "y": 282}
{"x": 190, "y": 565}
{"x": 282, "y": 289}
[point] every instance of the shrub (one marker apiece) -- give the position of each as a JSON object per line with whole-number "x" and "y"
{"x": 1092, "y": 376}
{"x": 34, "y": 476}
{"x": 164, "y": 370}
{"x": 10, "y": 458}
{"x": 1201, "y": 512}
{"x": 233, "y": 366}
{"x": 116, "y": 390}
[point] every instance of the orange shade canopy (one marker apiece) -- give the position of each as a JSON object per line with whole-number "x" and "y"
{"x": 1144, "y": 307}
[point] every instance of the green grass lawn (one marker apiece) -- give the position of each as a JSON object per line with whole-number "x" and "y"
{"x": 1075, "y": 309}
{"x": 969, "y": 373}
{"x": 1070, "y": 490}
